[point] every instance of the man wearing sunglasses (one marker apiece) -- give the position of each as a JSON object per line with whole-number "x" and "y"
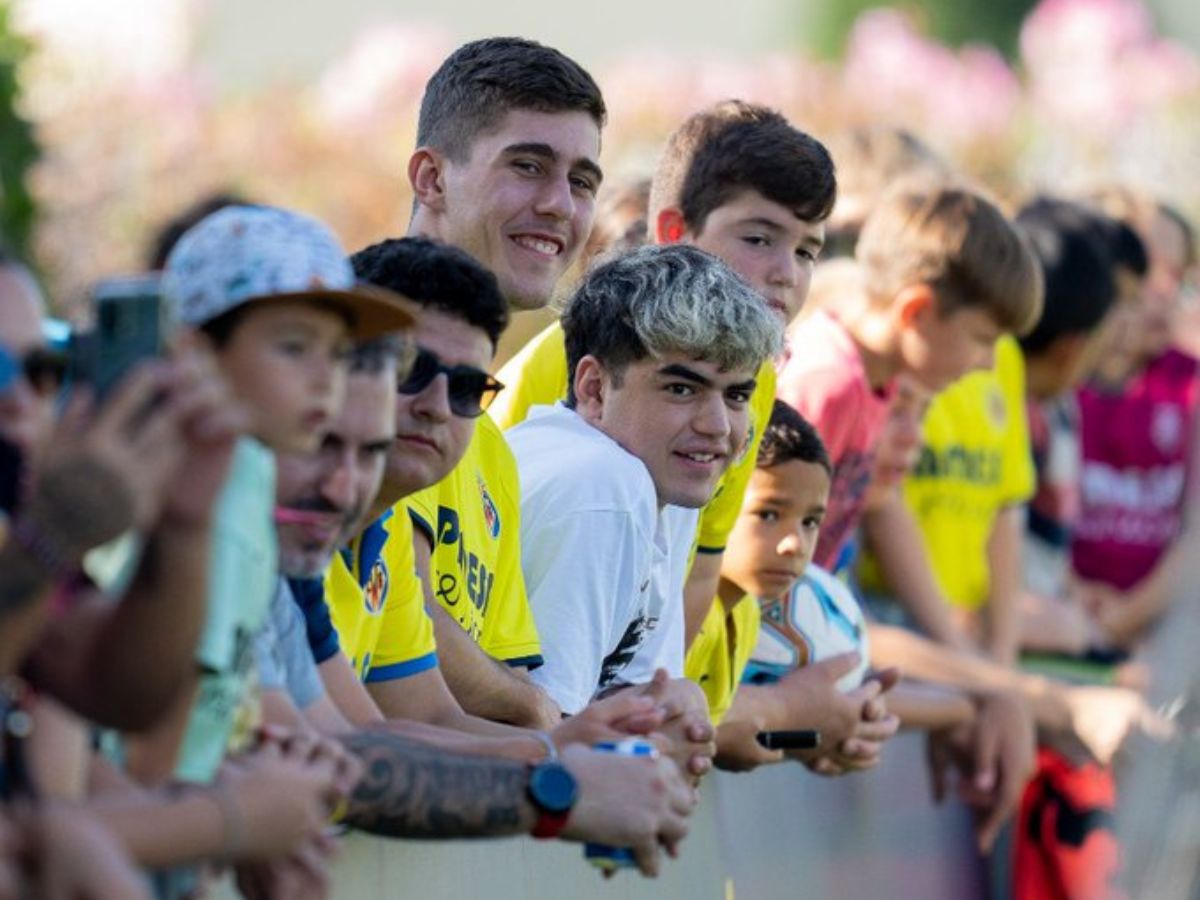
{"x": 472, "y": 523}
{"x": 469, "y": 391}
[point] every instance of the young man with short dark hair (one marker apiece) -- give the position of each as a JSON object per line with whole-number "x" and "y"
{"x": 506, "y": 168}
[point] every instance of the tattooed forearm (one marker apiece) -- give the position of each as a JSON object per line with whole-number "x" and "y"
{"x": 412, "y": 790}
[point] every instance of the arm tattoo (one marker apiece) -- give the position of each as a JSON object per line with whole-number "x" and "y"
{"x": 412, "y": 790}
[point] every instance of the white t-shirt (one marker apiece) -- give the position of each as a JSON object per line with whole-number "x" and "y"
{"x": 603, "y": 567}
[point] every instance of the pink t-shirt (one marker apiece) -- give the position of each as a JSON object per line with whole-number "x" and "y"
{"x": 823, "y": 378}
{"x": 1135, "y": 445}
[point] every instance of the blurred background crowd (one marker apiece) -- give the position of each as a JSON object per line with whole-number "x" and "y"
{"x": 137, "y": 107}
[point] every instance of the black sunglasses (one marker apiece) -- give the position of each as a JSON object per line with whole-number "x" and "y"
{"x": 470, "y": 390}
{"x": 44, "y": 369}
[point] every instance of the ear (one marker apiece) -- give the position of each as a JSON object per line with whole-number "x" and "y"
{"x": 913, "y": 304}
{"x": 426, "y": 175}
{"x": 669, "y": 227}
{"x": 591, "y": 389}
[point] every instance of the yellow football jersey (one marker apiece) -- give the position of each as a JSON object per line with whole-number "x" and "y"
{"x": 377, "y": 605}
{"x": 719, "y": 653}
{"x": 538, "y": 375}
{"x": 975, "y": 460}
{"x": 472, "y": 519}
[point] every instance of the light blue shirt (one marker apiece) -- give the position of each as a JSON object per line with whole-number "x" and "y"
{"x": 285, "y": 659}
{"x": 243, "y": 570}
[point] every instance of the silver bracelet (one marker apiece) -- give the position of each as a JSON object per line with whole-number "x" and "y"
{"x": 547, "y": 742}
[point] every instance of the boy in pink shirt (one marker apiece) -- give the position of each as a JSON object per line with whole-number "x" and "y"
{"x": 941, "y": 275}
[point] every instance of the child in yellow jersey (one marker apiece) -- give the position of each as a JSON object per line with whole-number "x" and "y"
{"x": 772, "y": 544}
{"x": 739, "y": 181}
{"x": 971, "y": 479}
{"x": 970, "y": 472}
{"x": 769, "y": 553}
{"x": 720, "y": 651}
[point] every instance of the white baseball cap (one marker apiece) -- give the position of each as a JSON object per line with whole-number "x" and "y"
{"x": 242, "y": 254}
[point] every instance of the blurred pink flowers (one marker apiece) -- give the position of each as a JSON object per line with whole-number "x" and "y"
{"x": 895, "y": 74}
{"x": 1097, "y": 65}
{"x": 133, "y": 131}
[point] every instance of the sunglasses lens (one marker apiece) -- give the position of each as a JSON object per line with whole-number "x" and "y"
{"x": 406, "y": 357}
{"x": 466, "y": 389}
{"x": 45, "y": 370}
{"x": 425, "y": 367}
{"x": 472, "y": 392}
{"x": 490, "y": 391}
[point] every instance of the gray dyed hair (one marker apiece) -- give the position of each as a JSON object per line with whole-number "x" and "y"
{"x": 659, "y": 300}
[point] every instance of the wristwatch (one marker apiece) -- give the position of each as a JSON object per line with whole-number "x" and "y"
{"x": 552, "y": 790}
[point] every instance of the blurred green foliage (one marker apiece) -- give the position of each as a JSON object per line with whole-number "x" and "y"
{"x": 823, "y": 26}
{"x": 18, "y": 147}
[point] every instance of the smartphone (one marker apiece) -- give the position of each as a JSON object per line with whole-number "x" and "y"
{"x": 132, "y": 324}
{"x": 803, "y": 739}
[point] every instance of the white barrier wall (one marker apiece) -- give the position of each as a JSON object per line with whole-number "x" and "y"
{"x": 775, "y": 833}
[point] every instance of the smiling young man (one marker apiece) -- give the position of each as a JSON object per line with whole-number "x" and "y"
{"x": 506, "y": 165}
{"x": 506, "y": 168}
{"x": 663, "y": 346}
{"x": 740, "y": 182}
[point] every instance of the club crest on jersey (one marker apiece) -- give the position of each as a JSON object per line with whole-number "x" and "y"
{"x": 375, "y": 591}
{"x": 491, "y": 515}
{"x": 1166, "y": 428}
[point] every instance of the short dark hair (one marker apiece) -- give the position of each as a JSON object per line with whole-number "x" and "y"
{"x": 1125, "y": 248}
{"x": 663, "y": 299}
{"x": 169, "y": 233}
{"x": 736, "y": 146}
{"x": 436, "y": 276}
{"x": 949, "y": 236}
{"x": 1077, "y": 267}
{"x": 481, "y": 82}
{"x": 790, "y": 436}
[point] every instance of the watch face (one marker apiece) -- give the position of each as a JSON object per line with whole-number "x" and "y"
{"x": 552, "y": 787}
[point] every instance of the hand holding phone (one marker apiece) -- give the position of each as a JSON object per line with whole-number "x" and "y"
{"x": 131, "y": 326}
{"x": 799, "y": 739}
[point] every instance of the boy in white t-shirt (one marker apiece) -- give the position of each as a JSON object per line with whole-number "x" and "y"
{"x": 663, "y": 345}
